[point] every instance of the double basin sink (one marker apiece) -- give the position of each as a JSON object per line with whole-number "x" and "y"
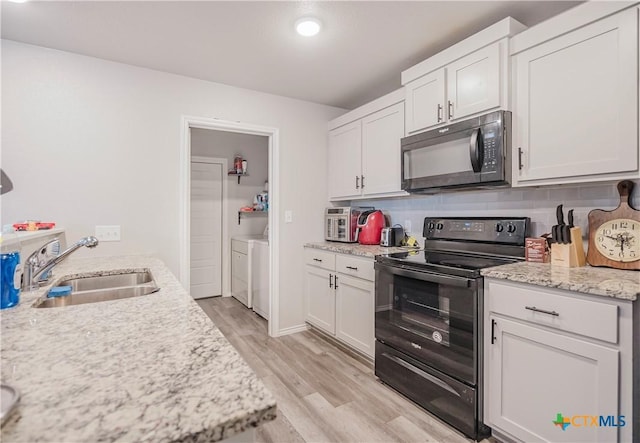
{"x": 101, "y": 288}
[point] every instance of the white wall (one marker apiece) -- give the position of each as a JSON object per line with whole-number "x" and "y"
{"x": 254, "y": 149}
{"x": 88, "y": 142}
{"x": 537, "y": 203}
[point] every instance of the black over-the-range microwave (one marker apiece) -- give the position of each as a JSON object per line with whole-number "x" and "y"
{"x": 471, "y": 153}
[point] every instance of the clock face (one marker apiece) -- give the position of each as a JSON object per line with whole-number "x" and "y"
{"x": 619, "y": 240}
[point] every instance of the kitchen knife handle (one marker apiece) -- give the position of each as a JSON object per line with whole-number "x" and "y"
{"x": 450, "y": 109}
{"x": 357, "y": 182}
{"x": 330, "y": 280}
{"x": 439, "y": 112}
{"x": 520, "y": 159}
{"x": 570, "y": 218}
{"x": 559, "y": 215}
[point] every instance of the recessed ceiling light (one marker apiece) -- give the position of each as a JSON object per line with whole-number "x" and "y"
{"x": 308, "y": 26}
{"x": 18, "y": 1}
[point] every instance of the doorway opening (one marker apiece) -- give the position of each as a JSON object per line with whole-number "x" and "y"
{"x": 212, "y": 220}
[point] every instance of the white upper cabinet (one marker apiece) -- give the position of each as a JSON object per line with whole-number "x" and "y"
{"x": 575, "y": 104}
{"x": 473, "y": 83}
{"x": 364, "y": 150}
{"x": 468, "y": 86}
{"x": 466, "y": 79}
{"x": 381, "y": 134}
{"x": 424, "y": 101}
{"x": 345, "y": 160}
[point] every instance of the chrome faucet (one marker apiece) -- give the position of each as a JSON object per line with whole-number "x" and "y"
{"x": 34, "y": 268}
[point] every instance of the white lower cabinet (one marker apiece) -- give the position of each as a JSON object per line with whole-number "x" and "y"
{"x": 355, "y": 312}
{"x": 339, "y": 297}
{"x": 538, "y": 371}
{"x": 321, "y": 299}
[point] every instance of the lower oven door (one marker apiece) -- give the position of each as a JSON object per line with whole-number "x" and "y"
{"x": 450, "y": 400}
{"x": 431, "y": 317}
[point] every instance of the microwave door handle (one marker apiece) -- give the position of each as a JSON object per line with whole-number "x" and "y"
{"x": 476, "y": 150}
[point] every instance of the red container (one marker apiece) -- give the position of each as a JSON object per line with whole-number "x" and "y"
{"x": 370, "y": 224}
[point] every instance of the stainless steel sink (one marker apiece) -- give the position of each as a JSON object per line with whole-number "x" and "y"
{"x": 107, "y": 281}
{"x": 101, "y": 288}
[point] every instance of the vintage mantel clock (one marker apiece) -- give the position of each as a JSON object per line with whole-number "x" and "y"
{"x": 614, "y": 236}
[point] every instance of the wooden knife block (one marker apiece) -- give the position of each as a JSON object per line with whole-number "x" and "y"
{"x": 570, "y": 255}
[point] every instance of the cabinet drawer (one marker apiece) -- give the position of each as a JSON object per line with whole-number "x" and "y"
{"x": 358, "y": 267}
{"x": 320, "y": 259}
{"x": 584, "y": 317}
{"x": 240, "y": 246}
{"x": 239, "y": 265}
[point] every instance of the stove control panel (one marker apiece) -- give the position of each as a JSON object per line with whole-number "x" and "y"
{"x": 500, "y": 230}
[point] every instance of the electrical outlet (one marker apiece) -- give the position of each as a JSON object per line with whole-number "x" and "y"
{"x": 108, "y": 233}
{"x": 407, "y": 225}
{"x": 288, "y": 216}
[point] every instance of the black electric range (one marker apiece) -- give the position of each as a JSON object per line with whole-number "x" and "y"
{"x": 428, "y": 317}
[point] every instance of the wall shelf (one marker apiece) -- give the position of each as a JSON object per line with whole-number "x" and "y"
{"x": 235, "y": 174}
{"x": 250, "y": 214}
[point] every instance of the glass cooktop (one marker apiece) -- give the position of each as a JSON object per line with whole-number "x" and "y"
{"x": 465, "y": 264}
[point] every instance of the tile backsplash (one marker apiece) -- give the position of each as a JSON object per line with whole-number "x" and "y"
{"x": 539, "y": 204}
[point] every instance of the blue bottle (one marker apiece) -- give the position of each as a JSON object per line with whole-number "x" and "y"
{"x": 10, "y": 282}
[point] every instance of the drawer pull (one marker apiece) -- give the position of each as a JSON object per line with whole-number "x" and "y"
{"x": 353, "y": 268}
{"x": 317, "y": 259}
{"x": 330, "y": 280}
{"x": 335, "y": 282}
{"x": 534, "y": 309}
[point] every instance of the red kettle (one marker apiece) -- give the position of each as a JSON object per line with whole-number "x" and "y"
{"x": 370, "y": 224}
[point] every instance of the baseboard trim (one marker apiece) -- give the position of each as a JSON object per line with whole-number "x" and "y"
{"x": 292, "y": 330}
{"x": 357, "y": 355}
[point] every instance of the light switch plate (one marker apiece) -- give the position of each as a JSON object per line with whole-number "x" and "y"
{"x": 288, "y": 216}
{"x": 108, "y": 233}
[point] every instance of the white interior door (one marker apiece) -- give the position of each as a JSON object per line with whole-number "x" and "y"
{"x": 206, "y": 229}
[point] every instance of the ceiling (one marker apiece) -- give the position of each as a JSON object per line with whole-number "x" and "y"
{"x": 357, "y": 57}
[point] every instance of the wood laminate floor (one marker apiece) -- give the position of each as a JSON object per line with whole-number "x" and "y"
{"x": 324, "y": 393}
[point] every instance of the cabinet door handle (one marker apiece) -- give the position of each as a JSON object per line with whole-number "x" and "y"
{"x": 362, "y": 181}
{"x": 493, "y": 331}
{"x": 543, "y": 311}
{"x": 450, "y": 109}
{"x": 357, "y": 182}
{"x": 353, "y": 268}
{"x": 439, "y": 112}
{"x": 317, "y": 259}
{"x": 520, "y": 159}
{"x": 335, "y": 284}
{"x": 331, "y": 280}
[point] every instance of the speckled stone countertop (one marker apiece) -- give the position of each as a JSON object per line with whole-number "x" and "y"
{"x": 624, "y": 285}
{"x": 356, "y": 248}
{"x": 152, "y": 368}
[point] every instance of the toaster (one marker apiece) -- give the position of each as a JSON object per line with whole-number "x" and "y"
{"x": 392, "y": 236}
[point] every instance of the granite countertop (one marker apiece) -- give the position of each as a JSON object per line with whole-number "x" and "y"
{"x": 607, "y": 282}
{"x": 152, "y": 368}
{"x": 357, "y": 249}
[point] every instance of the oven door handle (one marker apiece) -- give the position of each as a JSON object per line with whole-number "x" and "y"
{"x": 421, "y": 373}
{"x": 429, "y": 277}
